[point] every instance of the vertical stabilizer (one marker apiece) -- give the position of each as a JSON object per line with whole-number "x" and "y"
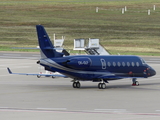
{"x": 46, "y": 46}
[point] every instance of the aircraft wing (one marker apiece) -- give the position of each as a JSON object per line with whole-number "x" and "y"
{"x": 48, "y": 75}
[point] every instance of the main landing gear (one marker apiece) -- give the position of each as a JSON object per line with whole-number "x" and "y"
{"x": 76, "y": 84}
{"x": 102, "y": 86}
{"x": 135, "y": 83}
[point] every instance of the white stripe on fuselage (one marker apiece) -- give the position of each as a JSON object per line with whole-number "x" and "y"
{"x": 52, "y": 63}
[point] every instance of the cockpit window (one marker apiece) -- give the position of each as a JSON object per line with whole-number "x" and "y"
{"x": 143, "y": 62}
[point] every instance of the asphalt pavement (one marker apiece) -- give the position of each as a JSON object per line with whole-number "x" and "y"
{"x": 29, "y": 97}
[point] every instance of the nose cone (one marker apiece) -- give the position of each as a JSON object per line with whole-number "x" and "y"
{"x": 151, "y": 72}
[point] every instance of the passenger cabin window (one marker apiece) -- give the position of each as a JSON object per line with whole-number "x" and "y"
{"x": 137, "y": 64}
{"x": 128, "y": 64}
{"x": 119, "y": 64}
{"x": 109, "y": 64}
{"x": 114, "y": 64}
{"x": 123, "y": 64}
{"x": 132, "y": 64}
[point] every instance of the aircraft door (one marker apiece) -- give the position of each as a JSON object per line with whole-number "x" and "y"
{"x": 103, "y": 62}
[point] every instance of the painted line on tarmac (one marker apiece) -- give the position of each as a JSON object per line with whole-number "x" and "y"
{"x": 110, "y": 110}
{"x": 51, "y": 108}
{"x": 15, "y": 67}
{"x": 11, "y": 54}
{"x": 64, "y": 110}
{"x": 36, "y": 55}
{"x": 155, "y": 59}
{"x": 152, "y": 61}
{"x": 17, "y": 57}
{"x": 5, "y": 75}
{"x": 8, "y": 109}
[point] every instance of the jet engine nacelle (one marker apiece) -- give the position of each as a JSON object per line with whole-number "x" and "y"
{"x": 79, "y": 62}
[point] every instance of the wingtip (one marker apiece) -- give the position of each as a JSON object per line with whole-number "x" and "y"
{"x": 10, "y": 72}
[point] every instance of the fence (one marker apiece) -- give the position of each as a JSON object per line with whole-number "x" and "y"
{"x": 126, "y": 9}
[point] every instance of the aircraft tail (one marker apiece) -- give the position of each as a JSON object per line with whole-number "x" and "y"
{"x": 46, "y": 47}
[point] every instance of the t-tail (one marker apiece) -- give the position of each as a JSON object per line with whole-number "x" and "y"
{"x": 46, "y": 47}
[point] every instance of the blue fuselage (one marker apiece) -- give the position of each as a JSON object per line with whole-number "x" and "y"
{"x": 89, "y": 67}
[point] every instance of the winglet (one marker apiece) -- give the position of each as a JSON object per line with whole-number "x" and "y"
{"x": 10, "y": 72}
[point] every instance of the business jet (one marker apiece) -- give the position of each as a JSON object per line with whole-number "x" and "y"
{"x": 95, "y": 68}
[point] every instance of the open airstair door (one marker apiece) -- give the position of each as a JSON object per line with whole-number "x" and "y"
{"x": 95, "y": 48}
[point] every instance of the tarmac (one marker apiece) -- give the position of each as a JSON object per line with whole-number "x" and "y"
{"x": 29, "y": 97}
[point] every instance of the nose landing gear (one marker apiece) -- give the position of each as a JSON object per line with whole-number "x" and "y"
{"x": 135, "y": 83}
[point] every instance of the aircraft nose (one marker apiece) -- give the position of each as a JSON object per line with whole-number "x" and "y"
{"x": 152, "y": 72}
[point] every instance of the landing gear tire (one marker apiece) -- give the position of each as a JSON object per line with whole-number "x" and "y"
{"x": 101, "y": 85}
{"x": 76, "y": 85}
{"x": 38, "y": 76}
{"x": 136, "y": 83}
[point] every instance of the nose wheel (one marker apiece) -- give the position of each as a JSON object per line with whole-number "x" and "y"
{"x": 135, "y": 83}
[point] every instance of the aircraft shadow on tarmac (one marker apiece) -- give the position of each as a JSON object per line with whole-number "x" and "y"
{"x": 142, "y": 86}
{"x": 121, "y": 87}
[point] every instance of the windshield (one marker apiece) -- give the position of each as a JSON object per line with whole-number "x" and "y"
{"x": 143, "y": 62}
